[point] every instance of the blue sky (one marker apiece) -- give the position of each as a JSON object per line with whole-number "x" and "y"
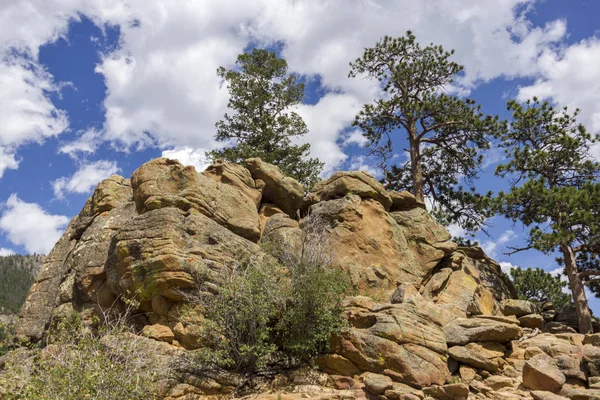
{"x": 99, "y": 87}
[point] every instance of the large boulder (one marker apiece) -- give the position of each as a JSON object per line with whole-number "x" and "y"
{"x": 464, "y": 285}
{"x": 541, "y": 373}
{"x": 485, "y": 355}
{"x": 278, "y": 189}
{"x": 465, "y": 330}
{"x": 398, "y": 340}
{"x": 167, "y": 183}
{"x": 237, "y": 176}
{"x": 367, "y": 242}
{"x": 358, "y": 183}
{"x": 518, "y": 308}
{"x": 154, "y": 245}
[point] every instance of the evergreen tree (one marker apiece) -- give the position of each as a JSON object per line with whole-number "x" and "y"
{"x": 262, "y": 94}
{"x": 445, "y": 133}
{"x": 554, "y": 188}
{"x": 17, "y": 274}
{"x": 539, "y": 286}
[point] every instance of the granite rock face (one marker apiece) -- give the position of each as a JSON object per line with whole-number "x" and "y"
{"x": 429, "y": 318}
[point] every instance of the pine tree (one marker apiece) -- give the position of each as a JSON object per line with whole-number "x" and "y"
{"x": 262, "y": 94}
{"x": 445, "y": 133}
{"x": 554, "y": 188}
{"x": 539, "y": 286}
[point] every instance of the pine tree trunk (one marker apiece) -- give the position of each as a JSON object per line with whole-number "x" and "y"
{"x": 415, "y": 165}
{"x": 581, "y": 306}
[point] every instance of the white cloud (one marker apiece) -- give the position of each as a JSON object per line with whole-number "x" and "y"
{"x": 86, "y": 143}
{"x": 7, "y": 161}
{"x": 162, "y": 89}
{"x": 162, "y": 85}
{"x": 570, "y": 77}
{"x": 189, "y": 156}
{"x": 560, "y": 273}
{"x": 6, "y": 252}
{"x": 27, "y": 114}
{"x": 360, "y": 163}
{"x": 490, "y": 246}
{"x": 456, "y": 231}
{"x": 85, "y": 178}
{"x": 506, "y": 267}
{"x": 355, "y": 137}
{"x": 30, "y": 226}
{"x": 326, "y": 121}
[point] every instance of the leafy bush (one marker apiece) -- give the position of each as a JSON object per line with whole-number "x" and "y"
{"x": 239, "y": 323}
{"x": 78, "y": 364}
{"x": 6, "y": 337}
{"x": 291, "y": 303}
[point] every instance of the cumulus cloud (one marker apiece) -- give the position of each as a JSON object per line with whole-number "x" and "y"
{"x": 490, "y": 246}
{"x": 85, "y": 178}
{"x": 507, "y": 266}
{"x": 188, "y": 156}
{"x": 6, "y": 252}
{"x": 361, "y": 163}
{"x": 29, "y": 225}
{"x": 560, "y": 273}
{"x": 86, "y": 143}
{"x": 27, "y": 114}
{"x": 162, "y": 89}
{"x": 7, "y": 161}
{"x": 571, "y": 77}
{"x": 456, "y": 231}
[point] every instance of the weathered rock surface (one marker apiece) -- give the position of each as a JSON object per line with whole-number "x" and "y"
{"x": 465, "y": 330}
{"x": 541, "y": 373}
{"x": 396, "y": 340}
{"x": 518, "y": 308}
{"x": 485, "y": 355}
{"x": 342, "y": 183}
{"x": 431, "y": 320}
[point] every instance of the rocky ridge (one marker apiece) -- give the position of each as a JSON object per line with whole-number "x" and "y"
{"x": 431, "y": 320}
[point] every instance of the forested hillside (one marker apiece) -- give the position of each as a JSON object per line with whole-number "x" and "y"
{"x": 17, "y": 274}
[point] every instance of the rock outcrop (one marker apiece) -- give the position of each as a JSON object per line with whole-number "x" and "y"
{"x": 430, "y": 319}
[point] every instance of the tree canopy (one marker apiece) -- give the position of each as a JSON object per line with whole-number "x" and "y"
{"x": 554, "y": 188}
{"x": 445, "y": 133}
{"x": 263, "y": 124}
{"x": 539, "y": 286}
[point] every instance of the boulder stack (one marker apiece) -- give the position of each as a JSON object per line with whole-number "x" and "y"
{"x": 429, "y": 319}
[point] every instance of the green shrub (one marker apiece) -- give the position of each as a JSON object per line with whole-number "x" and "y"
{"x": 313, "y": 311}
{"x": 291, "y": 303}
{"x": 238, "y": 329}
{"x": 6, "y": 337}
{"x": 78, "y": 364}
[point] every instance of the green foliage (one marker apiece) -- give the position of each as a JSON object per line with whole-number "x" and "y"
{"x": 17, "y": 274}
{"x": 553, "y": 177}
{"x": 314, "y": 309}
{"x": 445, "y": 133}
{"x": 554, "y": 188}
{"x": 290, "y": 304}
{"x": 539, "y": 286}
{"x": 240, "y": 317}
{"x": 79, "y": 364}
{"x": 6, "y": 337}
{"x": 464, "y": 242}
{"x": 262, "y": 93}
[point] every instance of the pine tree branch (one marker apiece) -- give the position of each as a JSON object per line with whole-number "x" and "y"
{"x": 515, "y": 250}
